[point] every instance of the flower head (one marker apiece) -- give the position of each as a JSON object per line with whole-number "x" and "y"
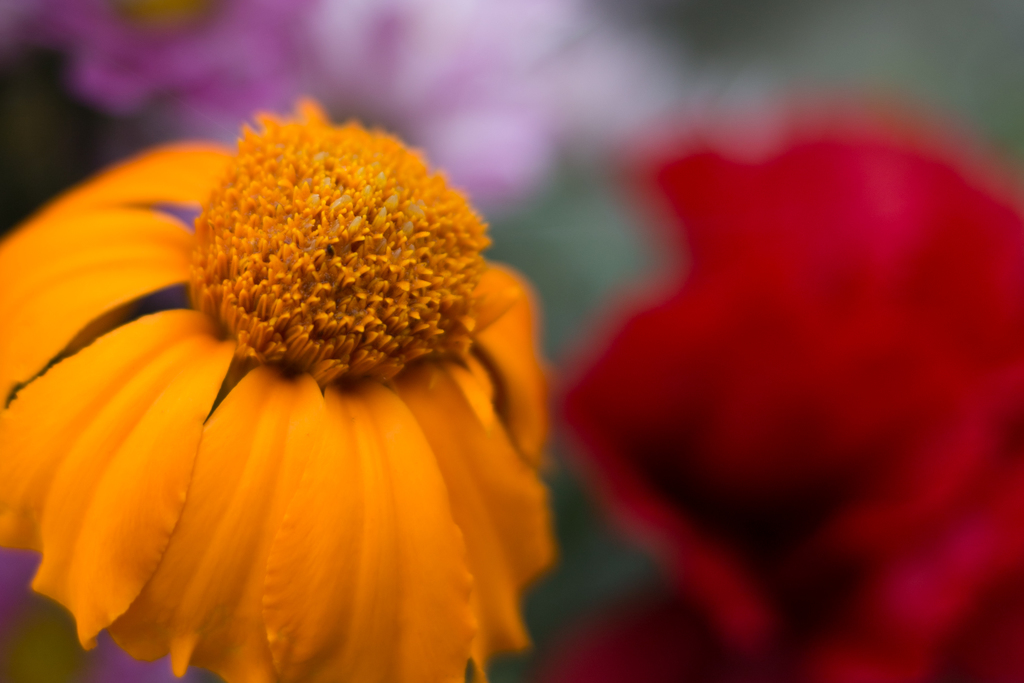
{"x": 352, "y": 259}
{"x": 822, "y": 420}
{"x": 327, "y": 471}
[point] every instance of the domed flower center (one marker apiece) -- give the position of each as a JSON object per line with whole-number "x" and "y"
{"x": 334, "y": 251}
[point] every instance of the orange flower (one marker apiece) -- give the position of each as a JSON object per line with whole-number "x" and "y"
{"x": 328, "y": 470}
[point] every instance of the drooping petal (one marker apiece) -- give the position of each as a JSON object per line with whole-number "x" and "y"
{"x": 204, "y": 603}
{"x": 181, "y": 173}
{"x": 495, "y": 294}
{"x": 497, "y": 499}
{"x": 66, "y": 274}
{"x": 367, "y": 580}
{"x": 47, "y": 417}
{"x": 119, "y": 492}
{"x": 509, "y": 345}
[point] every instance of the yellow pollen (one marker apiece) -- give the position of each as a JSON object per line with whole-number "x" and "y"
{"x": 333, "y": 250}
{"x": 164, "y": 13}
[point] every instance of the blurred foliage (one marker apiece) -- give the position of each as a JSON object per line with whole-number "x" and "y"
{"x": 47, "y": 140}
{"x": 959, "y": 57}
{"x": 44, "y": 650}
{"x": 578, "y": 245}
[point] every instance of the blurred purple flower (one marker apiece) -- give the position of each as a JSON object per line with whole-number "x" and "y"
{"x": 492, "y": 89}
{"x": 16, "y": 570}
{"x": 207, "y": 58}
{"x": 110, "y": 664}
{"x": 106, "y": 664}
{"x": 14, "y": 17}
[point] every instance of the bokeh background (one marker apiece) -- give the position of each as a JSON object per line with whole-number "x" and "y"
{"x": 537, "y": 107}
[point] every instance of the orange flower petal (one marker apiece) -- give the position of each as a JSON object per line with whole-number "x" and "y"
{"x": 509, "y": 346}
{"x": 61, "y": 277}
{"x": 181, "y": 173}
{"x": 204, "y": 603}
{"x": 47, "y": 417}
{"x": 494, "y": 295}
{"x": 119, "y": 493}
{"x": 497, "y": 499}
{"x": 367, "y": 580}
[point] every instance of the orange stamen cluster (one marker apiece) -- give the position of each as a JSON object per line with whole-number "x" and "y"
{"x": 334, "y": 251}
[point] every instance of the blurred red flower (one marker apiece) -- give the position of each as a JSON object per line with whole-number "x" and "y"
{"x": 824, "y": 423}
